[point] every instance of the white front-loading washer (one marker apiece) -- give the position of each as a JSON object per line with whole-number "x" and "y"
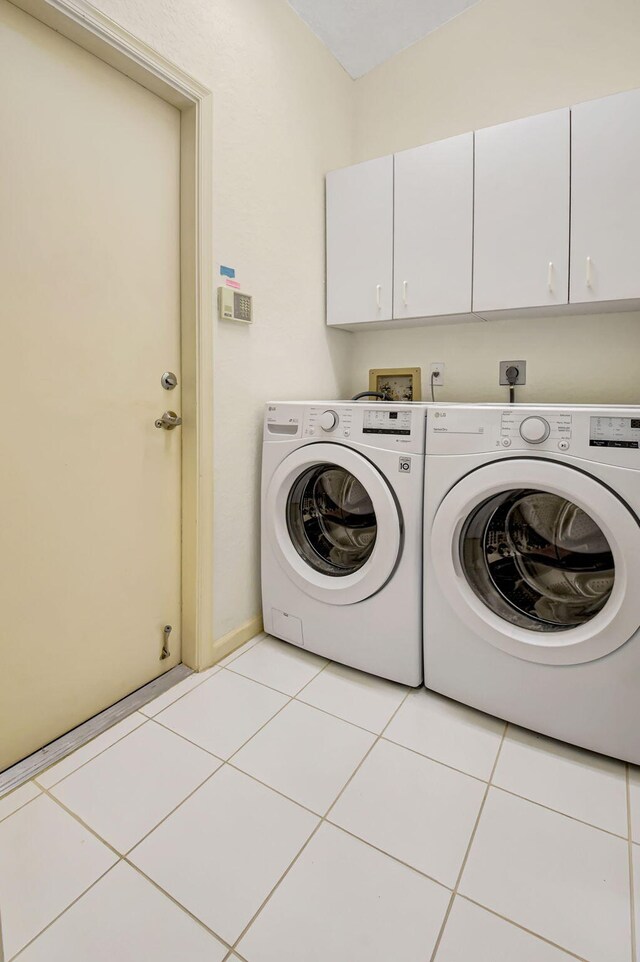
{"x": 532, "y": 568}
{"x": 342, "y": 503}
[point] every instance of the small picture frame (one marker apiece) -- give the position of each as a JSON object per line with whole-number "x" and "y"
{"x": 398, "y": 383}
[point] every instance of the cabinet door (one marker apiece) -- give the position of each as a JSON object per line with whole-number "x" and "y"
{"x": 360, "y": 242}
{"x": 605, "y": 199}
{"x": 433, "y": 223}
{"x": 521, "y": 220}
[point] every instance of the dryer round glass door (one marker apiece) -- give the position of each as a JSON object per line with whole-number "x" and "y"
{"x": 333, "y": 523}
{"x": 539, "y": 559}
{"x": 331, "y": 520}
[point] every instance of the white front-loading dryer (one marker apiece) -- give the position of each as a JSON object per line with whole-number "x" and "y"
{"x": 532, "y": 568}
{"x": 342, "y": 503}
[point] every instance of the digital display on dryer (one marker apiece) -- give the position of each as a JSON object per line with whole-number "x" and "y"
{"x": 614, "y": 432}
{"x": 387, "y": 422}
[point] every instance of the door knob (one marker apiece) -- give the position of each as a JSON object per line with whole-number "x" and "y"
{"x": 168, "y": 421}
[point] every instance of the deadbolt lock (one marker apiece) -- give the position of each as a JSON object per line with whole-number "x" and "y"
{"x": 168, "y": 380}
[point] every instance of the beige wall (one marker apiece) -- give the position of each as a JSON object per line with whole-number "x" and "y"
{"x": 282, "y": 117}
{"x": 500, "y": 60}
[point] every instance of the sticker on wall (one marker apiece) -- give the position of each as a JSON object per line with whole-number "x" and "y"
{"x": 227, "y": 271}
{"x": 234, "y": 284}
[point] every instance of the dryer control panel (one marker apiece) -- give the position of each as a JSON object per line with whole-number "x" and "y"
{"x": 614, "y": 432}
{"x": 609, "y": 435}
{"x": 543, "y": 429}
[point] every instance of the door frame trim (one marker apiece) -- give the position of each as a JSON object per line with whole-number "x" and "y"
{"x": 89, "y": 28}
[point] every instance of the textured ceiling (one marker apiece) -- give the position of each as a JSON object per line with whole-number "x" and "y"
{"x": 361, "y": 34}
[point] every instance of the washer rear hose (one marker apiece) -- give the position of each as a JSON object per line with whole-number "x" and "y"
{"x": 378, "y": 394}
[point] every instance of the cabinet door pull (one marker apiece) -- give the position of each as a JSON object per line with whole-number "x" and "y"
{"x": 550, "y": 276}
{"x": 404, "y": 293}
{"x": 378, "y": 289}
{"x": 589, "y": 278}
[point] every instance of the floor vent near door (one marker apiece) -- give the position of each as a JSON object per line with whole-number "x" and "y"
{"x": 33, "y": 764}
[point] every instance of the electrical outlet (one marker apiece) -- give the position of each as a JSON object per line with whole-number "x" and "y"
{"x": 522, "y": 371}
{"x": 437, "y": 373}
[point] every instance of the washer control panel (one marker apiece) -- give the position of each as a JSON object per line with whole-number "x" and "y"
{"x": 540, "y": 430}
{"x": 387, "y": 422}
{"x": 321, "y": 422}
{"x": 381, "y": 425}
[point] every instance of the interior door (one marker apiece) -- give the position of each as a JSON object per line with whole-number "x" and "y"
{"x": 521, "y": 222}
{"x": 89, "y": 314}
{"x": 432, "y": 225}
{"x": 605, "y": 198}
{"x": 360, "y": 242}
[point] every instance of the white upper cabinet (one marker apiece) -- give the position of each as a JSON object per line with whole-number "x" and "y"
{"x": 433, "y": 221}
{"x": 605, "y": 199}
{"x": 521, "y": 214}
{"x": 360, "y": 243}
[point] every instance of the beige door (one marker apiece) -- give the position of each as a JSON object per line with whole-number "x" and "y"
{"x": 89, "y": 321}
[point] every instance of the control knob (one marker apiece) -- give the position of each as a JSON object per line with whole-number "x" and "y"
{"x": 328, "y": 420}
{"x": 534, "y": 430}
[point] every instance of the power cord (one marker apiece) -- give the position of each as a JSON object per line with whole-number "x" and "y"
{"x": 434, "y": 375}
{"x": 511, "y": 375}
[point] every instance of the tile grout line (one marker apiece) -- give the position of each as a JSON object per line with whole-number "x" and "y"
{"x": 296, "y": 697}
{"x": 505, "y": 918}
{"x": 321, "y": 822}
{"x": 632, "y": 892}
{"x": 77, "y": 819}
{"x": 466, "y": 854}
{"x": 556, "y": 811}
{"x": 432, "y": 758}
{"x": 60, "y": 914}
{"x": 24, "y": 804}
{"x": 523, "y": 928}
{"x": 178, "y": 904}
{"x": 120, "y": 857}
{"x": 289, "y": 698}
{"x": 46, "y": 788}
{"x": 278, "y": 691}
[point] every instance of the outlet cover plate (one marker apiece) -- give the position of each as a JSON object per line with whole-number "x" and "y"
{"x": 522, "y": 371}
{"x": 437, "y": 367}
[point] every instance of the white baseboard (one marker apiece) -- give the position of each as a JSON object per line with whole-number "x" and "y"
{"x": 233, "y": 639}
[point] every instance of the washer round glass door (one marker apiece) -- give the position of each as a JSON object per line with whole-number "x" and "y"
{"x": 333, "y": 523}
{"x": 537, "y": 560}
{"x": 331, "y": 520}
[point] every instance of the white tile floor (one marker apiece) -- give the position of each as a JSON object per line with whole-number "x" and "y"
{"x": 282, "y": 809}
